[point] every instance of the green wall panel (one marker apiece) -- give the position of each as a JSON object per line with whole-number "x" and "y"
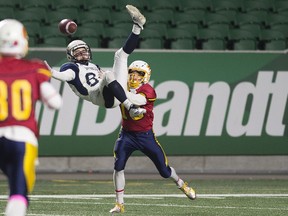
{"x": 208, "y": 104}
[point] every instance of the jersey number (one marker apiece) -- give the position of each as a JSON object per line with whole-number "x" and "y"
{"x": 91, "y": 79}
{"x": 21, "y": 102}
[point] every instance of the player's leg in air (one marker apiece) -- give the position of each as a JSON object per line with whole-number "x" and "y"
{"x": 121, "y": 56}
{"x": 120, "y": 71}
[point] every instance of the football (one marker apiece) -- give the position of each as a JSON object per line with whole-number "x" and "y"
{"x": 67, "y": 26}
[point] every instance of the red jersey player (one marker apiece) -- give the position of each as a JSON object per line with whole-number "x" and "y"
{"x": 22, "y": 83}
{"x": 137, "y": 134}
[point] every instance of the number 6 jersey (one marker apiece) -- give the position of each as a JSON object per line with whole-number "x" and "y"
{"x": 86, "y": 81}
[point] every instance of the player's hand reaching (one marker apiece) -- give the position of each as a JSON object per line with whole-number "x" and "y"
{"x": 47, "y": 65}
{"x": 67, "y": 75}
{"x": 136, "y": 112}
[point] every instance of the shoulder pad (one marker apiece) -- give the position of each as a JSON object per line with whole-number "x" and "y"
{"x": 69, "y": 65}
{"x": 149, "y": 91}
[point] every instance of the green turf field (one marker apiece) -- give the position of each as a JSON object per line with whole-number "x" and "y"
{"x": 157, "y": 197}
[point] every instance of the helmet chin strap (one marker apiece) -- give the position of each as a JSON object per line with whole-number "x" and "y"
{"x": 73, "y": 59}
{"x": 83, "y": 61}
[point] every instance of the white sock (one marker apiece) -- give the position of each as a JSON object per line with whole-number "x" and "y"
{"x": 119, "y": 184}
{"x": 136, "y": 29}
{"x": 16, "y": 206}
{"x": 127, "y": 104}
{"x": 179, "y": 182}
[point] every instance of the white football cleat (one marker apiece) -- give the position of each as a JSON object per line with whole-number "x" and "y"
{"x": 138, "y": 18}
{"x": 136, "y": 111}
{"x": 118, "y": 208}
{"x": 188, "y": 191}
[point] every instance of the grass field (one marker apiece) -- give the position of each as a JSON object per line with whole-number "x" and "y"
{"x": 157, "y": 197}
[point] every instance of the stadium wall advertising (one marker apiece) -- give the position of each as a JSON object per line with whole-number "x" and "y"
{"x": 208, "y": 104}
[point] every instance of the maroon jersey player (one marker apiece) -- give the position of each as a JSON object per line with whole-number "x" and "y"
{"x": 22, "y": 83}
{"x": 21, "y": 80}
{"x": 137, "y": 134}
{"x": 145, "y": 122}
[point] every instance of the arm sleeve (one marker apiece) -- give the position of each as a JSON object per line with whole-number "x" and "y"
{"x": 50, "y": 96}
{"x": 66, "y": 72}
{"x": 66, "y": 75}
{"x": 137, "y": 99}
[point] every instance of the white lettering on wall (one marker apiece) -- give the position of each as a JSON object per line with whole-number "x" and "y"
{"x": 260, "y": 92}
{"x": 89, "y": 126}
{"x": 175, "y": 107}
{"x": 68, "y": 112}
{"x": 229, "y": 110}
{"x": 201, "y": 91}
{"x": 274, "y": 124}
{"x": 47, "y": 117}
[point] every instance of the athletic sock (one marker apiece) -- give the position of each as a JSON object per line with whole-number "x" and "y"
{"x": 179, "y": 182}
{"x": 119, "y": 184}
{"x": 127, "y": 104}
{"x": 16, "y": 206}
{"x": 117, "y": 91}
{"x": 131, "y": 43}
{"x": 136, "y": 29}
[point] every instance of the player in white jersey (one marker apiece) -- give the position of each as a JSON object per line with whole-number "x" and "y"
{"x": 90, "y": 82}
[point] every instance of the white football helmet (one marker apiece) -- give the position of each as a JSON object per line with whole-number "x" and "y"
{"x": 142, "y": 68}
{"x": 76, "y": 44}
{"x": 13, "y": 38}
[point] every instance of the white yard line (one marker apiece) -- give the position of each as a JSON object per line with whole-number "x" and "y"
{"x": 78, "y": 197}
{"x": 98, "y": 196}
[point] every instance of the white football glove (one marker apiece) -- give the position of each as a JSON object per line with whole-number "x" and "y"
{"x": 135, "y": 112}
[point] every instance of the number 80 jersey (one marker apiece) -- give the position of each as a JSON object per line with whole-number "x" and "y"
{"x": 20, "y": 82}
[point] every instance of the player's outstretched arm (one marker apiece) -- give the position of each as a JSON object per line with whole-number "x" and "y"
{"x": 50, "y": 96}
{"x": 66, "y": 75}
